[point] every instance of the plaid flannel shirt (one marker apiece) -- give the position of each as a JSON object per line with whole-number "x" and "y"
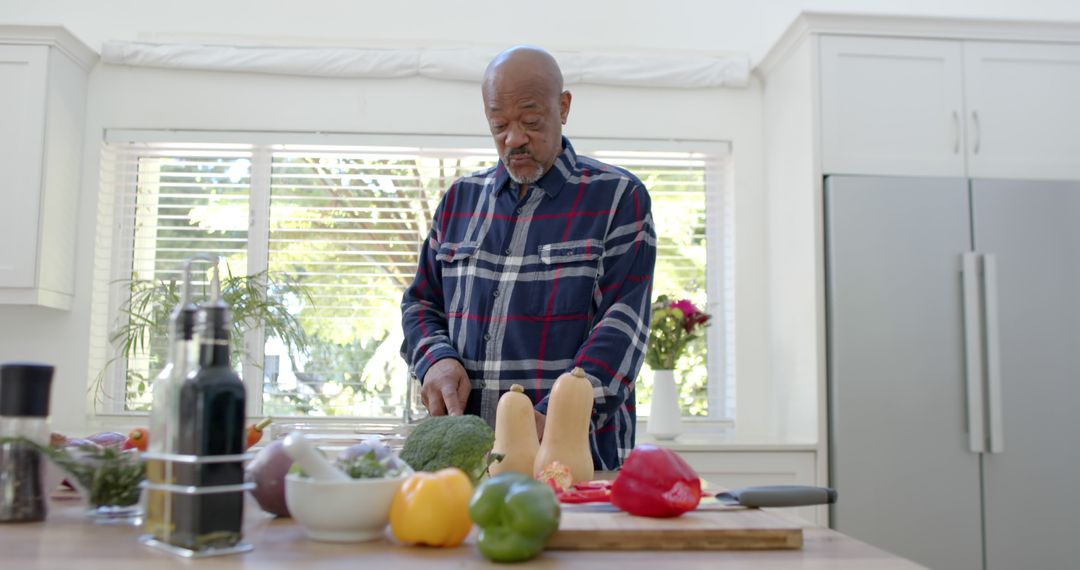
{"x": 522, "y": 290}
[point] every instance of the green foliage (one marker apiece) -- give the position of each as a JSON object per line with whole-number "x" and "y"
{"x": 349, "y": 225}
{"x": 254, "y": 300}
{"x": 674, "y": 326}
{"x": 108, "y": 475}
{"x": 368, "y": 467}
{"x": 339, "y": 365}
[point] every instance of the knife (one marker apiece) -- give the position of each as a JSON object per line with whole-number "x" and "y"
{"x": 778, "y": 496}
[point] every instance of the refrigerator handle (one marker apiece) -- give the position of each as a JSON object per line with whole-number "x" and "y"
{"x": 973, "y": 364}
{"x": 993, "y": 352}
{"x": 956, "y": 131}
{"x": 977, "y": 128}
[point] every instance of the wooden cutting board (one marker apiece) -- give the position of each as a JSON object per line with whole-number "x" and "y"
{"x": 718, "y": 528}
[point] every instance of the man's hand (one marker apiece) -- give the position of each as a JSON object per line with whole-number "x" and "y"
{"x": 541, "y": 420}
{"x": 446, "y": 388}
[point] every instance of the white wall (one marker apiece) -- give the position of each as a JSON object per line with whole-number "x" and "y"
{"x": 745, "y": 26}
{"x": 792, "y": 306}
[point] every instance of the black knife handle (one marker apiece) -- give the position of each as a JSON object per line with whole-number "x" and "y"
{"x": 783, "y": 496}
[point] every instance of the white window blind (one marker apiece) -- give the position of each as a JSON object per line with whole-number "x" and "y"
{"x": 337, "y": 229}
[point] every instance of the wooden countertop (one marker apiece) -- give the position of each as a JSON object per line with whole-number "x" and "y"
{"x": 67, "y": 540}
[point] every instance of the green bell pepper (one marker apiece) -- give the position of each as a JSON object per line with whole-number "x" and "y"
{"x": 516, "y": 515}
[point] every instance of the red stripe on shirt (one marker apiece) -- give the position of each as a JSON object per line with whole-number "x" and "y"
{"x": 447, "y": 213}
{"x": 611, "y": 371}
{"x": 582, "y": 182}
{"x": 491, "y": 319}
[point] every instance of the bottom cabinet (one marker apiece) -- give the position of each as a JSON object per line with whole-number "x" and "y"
{"x": 736, "y": 469}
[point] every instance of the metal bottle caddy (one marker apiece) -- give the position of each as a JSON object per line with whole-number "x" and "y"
{"x": 172, "y": 461}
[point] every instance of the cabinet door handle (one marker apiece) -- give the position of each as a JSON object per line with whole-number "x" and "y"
{"x": 993, "y": 352}
{"x": 977, "y": 135}
{"x": 973, "y": 362}
{"x": 956, "y": 131}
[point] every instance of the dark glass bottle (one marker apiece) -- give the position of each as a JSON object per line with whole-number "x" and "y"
{"x": 211, "y": 423}
{"x": 24, "y": 411}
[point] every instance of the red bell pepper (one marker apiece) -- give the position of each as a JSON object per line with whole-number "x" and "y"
{"x": 656, "y": 482}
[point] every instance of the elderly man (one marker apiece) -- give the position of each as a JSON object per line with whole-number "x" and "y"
{"x": 537, "y": 265}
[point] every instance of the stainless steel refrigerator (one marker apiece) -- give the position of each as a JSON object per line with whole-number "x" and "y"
{"x": 954, "y": 368}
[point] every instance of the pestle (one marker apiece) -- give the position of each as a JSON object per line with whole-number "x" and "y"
{"x": 310, "y": 459}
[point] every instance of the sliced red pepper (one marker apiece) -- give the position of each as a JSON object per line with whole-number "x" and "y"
{"x": 656, "y": 482}
{"x": 592, "y": 485}
{"x": 585, "y": 496}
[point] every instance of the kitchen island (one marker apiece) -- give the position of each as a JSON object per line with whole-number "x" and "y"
{"x": 68, "y": 540}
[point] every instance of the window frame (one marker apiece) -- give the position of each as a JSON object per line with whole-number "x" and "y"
{"x": 720, "y": 247}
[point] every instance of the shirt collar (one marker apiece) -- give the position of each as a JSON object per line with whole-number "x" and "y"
{"x": 553, "y": 180}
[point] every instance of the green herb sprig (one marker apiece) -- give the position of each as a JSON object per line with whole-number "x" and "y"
{"x": 110, "y": 476}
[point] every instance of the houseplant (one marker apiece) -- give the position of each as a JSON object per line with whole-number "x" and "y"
{"x": 674, "y": 325}
{"x": 255, "y": 301}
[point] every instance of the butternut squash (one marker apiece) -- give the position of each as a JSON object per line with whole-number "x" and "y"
{"x": 566, "y": 431}
{"x": 515, "y": 433}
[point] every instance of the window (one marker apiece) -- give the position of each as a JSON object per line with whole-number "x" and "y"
{"x": 333, "y": 230}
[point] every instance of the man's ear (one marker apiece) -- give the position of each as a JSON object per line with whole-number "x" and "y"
{"x": 564, "y": 106}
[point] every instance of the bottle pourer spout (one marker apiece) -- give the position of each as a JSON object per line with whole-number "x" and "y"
{"x": 215, "y": 284}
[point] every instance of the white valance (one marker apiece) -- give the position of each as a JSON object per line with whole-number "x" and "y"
{"x": 459, "y": 64}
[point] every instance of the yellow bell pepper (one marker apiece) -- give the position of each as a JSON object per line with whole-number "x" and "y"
{"x": 433, "y": 508}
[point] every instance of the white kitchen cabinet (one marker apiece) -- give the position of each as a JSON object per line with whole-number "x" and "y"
{"x": 733, "y": 466}
{"x": 924, "y": 107}
{"x": 44, "y": 72}
{"x": 736, "y": 469}
{"x": 892, "y": 106}
{"x": 1022, "y": 110}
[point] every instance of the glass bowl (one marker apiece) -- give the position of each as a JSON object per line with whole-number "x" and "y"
{"x": 332, "y": 436}
{"x": 108, "y": 478}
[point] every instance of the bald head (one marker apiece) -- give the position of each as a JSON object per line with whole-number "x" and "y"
{"x": 527, "y": 64}
{"x": 526, "y": 108}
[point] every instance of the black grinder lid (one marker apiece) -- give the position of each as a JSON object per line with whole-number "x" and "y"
{"x": 24, "y": 389}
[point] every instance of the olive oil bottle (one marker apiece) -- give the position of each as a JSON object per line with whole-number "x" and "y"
{"x": 165, "y": 411}
{"x": 211, "y": 424}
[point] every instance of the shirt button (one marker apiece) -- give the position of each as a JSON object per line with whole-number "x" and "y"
{"x": 507, "y": 252}
{"x": 487, "y": 336}
{"x": 495, "y": 293}
{"x": 517, "y": 211}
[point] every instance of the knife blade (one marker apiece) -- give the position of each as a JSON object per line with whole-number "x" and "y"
{"x": 779, "y": 496}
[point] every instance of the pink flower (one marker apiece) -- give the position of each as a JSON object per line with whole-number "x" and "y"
{"x": 692, "y": 316}
{"x": 685, "y": 306}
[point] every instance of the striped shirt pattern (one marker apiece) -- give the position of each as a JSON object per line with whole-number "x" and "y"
{"x": 523, "y": 290}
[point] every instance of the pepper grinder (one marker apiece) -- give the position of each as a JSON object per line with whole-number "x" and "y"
{"x": 24, "y": 425}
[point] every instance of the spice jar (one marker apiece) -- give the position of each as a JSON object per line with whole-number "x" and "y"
{"x": 24, "y": 425}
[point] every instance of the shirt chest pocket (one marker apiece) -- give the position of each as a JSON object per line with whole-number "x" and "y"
{"x": 561, "y": 283}
{"x": 458, "y": 267}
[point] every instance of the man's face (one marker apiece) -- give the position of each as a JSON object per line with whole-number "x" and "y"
{"x": 526, "y": 119}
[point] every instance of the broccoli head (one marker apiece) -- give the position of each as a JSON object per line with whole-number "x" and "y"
{"x": 439, "y": 442}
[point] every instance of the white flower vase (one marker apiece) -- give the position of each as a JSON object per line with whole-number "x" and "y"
{"x": 665, "y": 417}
